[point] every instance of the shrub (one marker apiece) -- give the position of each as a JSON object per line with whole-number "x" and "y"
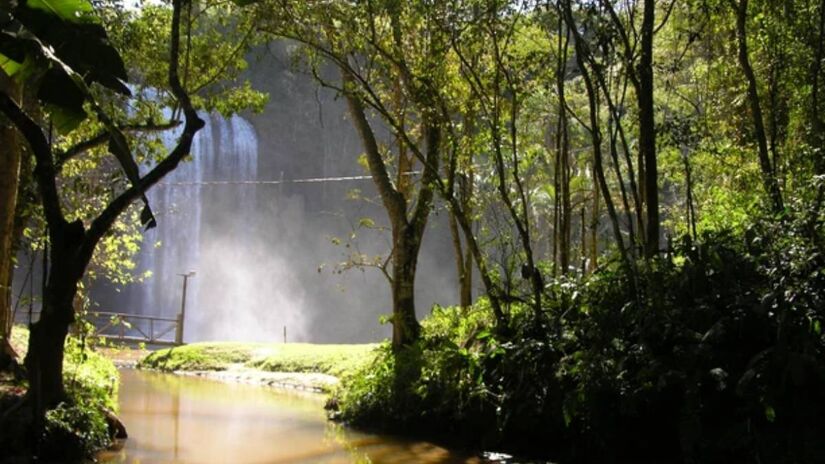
{"x": 711, "y": 355}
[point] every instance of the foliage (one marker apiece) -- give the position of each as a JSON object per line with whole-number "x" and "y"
{"x": 718, "y": 362}
{"x": 76, "y": 429}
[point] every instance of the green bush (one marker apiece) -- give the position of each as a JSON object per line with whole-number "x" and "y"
{"x": 712, "y": 354}
{"x": 75, "y": 430}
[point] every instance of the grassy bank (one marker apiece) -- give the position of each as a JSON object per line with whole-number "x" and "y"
{"x": 76, "y": 428}
{"x": 336, "y": 360}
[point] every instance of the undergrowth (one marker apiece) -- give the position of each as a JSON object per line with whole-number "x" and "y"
{"x": 77, "y": 427}
{"x": 711, "y": 354}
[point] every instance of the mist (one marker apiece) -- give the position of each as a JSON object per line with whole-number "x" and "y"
{"x": 263, "y": 251}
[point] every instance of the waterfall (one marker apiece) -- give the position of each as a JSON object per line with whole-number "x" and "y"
{"x": 242, "y": 287}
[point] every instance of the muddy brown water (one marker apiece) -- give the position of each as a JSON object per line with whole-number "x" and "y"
{"x": 176, "y": 419}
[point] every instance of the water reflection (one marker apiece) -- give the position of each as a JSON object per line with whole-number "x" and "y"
{"x": 173, "y": 419}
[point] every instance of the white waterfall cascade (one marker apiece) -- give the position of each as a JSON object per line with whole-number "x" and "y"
{"x": 242, "y": 288}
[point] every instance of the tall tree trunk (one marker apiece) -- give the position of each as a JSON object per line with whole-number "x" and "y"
{"x": 817, "y": 123}
{"x": 464, "y": 264}
{"x": 769, "y": 180}
{"x": 10, "y": 156}
{"x": 466, "y": 296}
{"x": 594, "y": 229}
{"x": 563, "y": 152}
{"x": 555, "y": 237}
{"x": 458, "y": 253}
{"x": 647, "y": 130}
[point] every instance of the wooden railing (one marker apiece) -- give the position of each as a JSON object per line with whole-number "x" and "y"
{"x": 154, "y": 330}
{"x": 138, "y": 328}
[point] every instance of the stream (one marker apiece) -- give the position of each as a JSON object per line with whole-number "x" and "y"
{"x": 179, "y": 419}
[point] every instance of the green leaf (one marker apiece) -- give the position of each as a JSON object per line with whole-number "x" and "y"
{"x": 59, "y": 89}
{"x": 770, "y": 413}
{"x": 65, "y": 120}
{"x": 76, "y": 11}
{"x": 10, "y": 67}
{"x": 82, "y": 48}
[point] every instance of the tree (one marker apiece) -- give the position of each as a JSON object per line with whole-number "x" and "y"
{"x": 584, "y": 59}
{"x": 403, "y": 54}
{"x": 55, "y": 43}
{"x": 769, "y": 180}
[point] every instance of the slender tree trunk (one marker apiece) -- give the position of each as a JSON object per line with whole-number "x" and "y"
{"x": 690, "y": 211}
{"x": 818, "y": 133}
{"x": 474, "y": 250}
{"x": 556, "y": 236}
{"x": 615, "y": 132}
{"x": 464, "y": 264}
{"x": 563, "y": 150}
{"x": 466, "y": 297}
{"x": 583, "y": 244}
{"x": 769, "y": 180}
{"x": 467, "y": 189}
{"x": 458, "y": 251}
{"x": 647, "y": 130}
{"x": 594, "y": 229}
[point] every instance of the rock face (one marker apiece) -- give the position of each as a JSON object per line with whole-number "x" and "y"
{"x": 264, "y": 252}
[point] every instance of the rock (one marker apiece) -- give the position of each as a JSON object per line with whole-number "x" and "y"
{"x": 116, "y": 428}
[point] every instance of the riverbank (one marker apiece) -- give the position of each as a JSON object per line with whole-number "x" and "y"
{"x": 298, "y": 366}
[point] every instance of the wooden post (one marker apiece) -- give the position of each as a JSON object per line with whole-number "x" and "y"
{"x": 182, "y": 313}
{"x": 179, "y": 330}
{"x": 284, "y": 334}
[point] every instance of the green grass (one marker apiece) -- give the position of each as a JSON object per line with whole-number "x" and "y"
{"x": 213, "y": 356}
{"x": 336, "y": 360}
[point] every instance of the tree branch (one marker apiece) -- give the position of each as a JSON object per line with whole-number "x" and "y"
{"x": 105, "y": 136}
{"x": 44, "y": 167}
{"x": 192, "y": 125}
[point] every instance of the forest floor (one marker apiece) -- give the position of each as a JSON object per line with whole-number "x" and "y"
{"x": 303, "y": 366}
